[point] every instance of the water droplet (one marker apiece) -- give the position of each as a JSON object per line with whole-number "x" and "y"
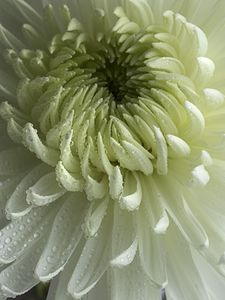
{"x": 54, "y": 249}
{"x": 35, "y": 235}
{"x": 8, "y": 240}
{"x": 50, "y": 259}
{"x": 21, "y": 227}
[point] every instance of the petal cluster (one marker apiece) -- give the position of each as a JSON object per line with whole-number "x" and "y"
{"x": 112, "y": 150}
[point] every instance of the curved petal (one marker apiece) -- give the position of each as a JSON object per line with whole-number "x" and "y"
{"x": 214, "y": 282}
{"x": 181, "y": 213}
{"x": 64, "y": 237}
{"x": 45, "y": 190}
{"x": 151, "y": 251}
{"x": 23, "y": 232}
{"x": 23, "y": 11}
{"x": 34, "y": 144}
{"x": 124, "y": 243}
{"x": 7, "y": 187}
{"x": 131, "y": 198}
{"x": 9, "y": 40}
{"x": 93, "y": 261}
{"x": 183, "y": 273}
{"x": 7, "y": 86}
{"x": 59, "y": 286}
{"x": 126, "y": 257}
{"x": 18, "y": 278}
{"x": 153, "y": 206}
{"x": 16, "y": 205}
{"x": 94, "y": 216}
{"x": 67, "y": 180}
{"x": 100, "y": 291}
{"x": 132, "y": 283}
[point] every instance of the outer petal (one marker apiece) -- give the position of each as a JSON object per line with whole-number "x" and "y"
{"x": 184, "y": 281}
{"x": 18, "y": 277}
{"x": 100, "y": 291}
{"x": 124, "y": 246}
{"x": 151, "y": 250}
{"x": 45, "y": 190}
{"x": 93, "y": 261}
{"x": 214, "y": 282}
{"x": 23, "y": 232}
{"x": 59, "y": 286}
{"x": 64, "y": 237}
{"x": 14, "y": 161}
{"x": 16, "y": 205}
{"x": 132, "y": 283}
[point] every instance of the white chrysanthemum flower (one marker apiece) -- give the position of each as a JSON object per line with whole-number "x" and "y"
{"x": 112, "y": 148}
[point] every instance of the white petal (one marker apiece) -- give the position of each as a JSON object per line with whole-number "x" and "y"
{"x": 168, "y": 64}
{"x": 95, "y": 189}
{"x": 213, "y": 98}
{"x": 162, "y": 153}
{"x": 204, "y": 71}
{"x": 23, "y": 232}
{"x": 124, "y": 244}
{"x": 138, "y": 158}
{"x": 45, "y": 190}
{"x": 71, "y": 182}
{"x": 8, "y": 40}
{"x": 178, "y": 145}
{"x": 182, "y": 214}
{"x": 151, "y": 250}
{"x": 132, "y": 283}
{"x": 93, "y": 261}
{"x": 206, "y": 159}
{"x": 126, "y": 257}
{"x": 116, "y": 183}
{"x": 34, "y": 144}
{"x": 184, "y": 281}
{"x": 154, "y": 207}
{"x": 100, "y": 291}
{"x": 7, "y": 187}
{"x": 16, "y": 205}
{"x": 190, "y": 226}
{"x": 202, "y": 41}
{"x": 143, "y": 12}
{"x": 18, "y": 278}
{"x": 95, "y": 215}
{"x": 200, "y": 177}
{"x": 24, "y": 11}
{"x": 64, "y": 237}
{"x": 59, "y": 285}
{"x": 196, "y": 123}
{"x": 69, "y": 160}
{"x": 7, "y": 86}
{"x": 103, "y": 156}
{"x": 132, "y": 193}
{"x": 14, "y": 131}
{"x": 13, "y": 161}
{"x": 214, "y": 282}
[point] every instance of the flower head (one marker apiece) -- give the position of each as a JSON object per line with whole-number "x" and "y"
{"x": 112, "y": 148}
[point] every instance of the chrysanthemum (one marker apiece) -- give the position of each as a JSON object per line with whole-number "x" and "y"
{"x": 112, "y": 148}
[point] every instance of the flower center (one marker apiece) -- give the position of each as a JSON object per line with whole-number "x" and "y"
{"x": 114, "y": 77}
